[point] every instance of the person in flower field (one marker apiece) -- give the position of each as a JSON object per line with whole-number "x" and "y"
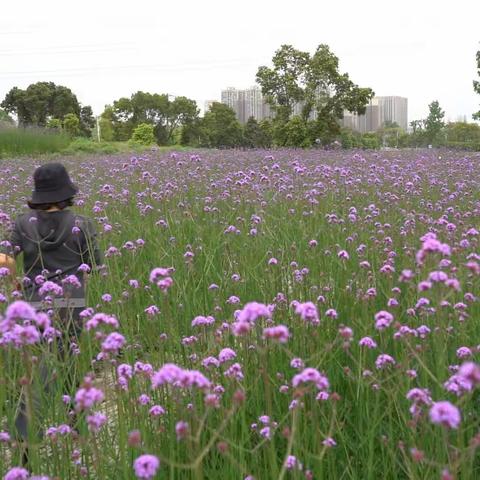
{"x": 59, "y": 248}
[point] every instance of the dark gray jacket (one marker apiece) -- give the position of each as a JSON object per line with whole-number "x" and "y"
{"x": 54, "y": 244}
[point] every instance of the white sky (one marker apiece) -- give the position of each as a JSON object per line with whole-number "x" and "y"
{"x": 104, "y": 49}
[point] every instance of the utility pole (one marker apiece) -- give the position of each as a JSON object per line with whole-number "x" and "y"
{"x": 98, "y": 130}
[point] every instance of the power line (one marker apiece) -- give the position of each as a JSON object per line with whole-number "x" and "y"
{"x": 43, "y": 52}
{"x": 52, "y": 49}
{"x": 156, "y": 67}
{"x": 14, "y": 32}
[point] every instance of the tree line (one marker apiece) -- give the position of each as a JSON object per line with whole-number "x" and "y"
{"x": 313, "y": 82}
{"x": 430, "y": 131}
{"x": 44, "y": 104}
{"x": 307, "y": 93}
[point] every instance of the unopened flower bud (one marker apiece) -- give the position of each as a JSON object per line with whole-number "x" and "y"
{"x": 23, "y": 381}
{"x": 222, "y": 447}
{"x": 239, "y": 397}
{"x": 417, "y": 455}
{"x": 134, "y": 438}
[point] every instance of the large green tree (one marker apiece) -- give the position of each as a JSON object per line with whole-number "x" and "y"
{"x": 31, "y": 106}
{"x": 267, "y": 134}
{"x": 434, "y": 124}
{"x": 105, "y": 124}
{"x": 220, "y": 127}
{"x": 42, "y": 101}
{"x": 191, "y": 133}
{"x": 256, "y": 135}
{"x": 284, "y": 83}
{"x": 296, "y": 133}
{"x": 87, "y": 121}
{"x": 156, "y": 109}
{"x": 314, "y": 83}
{"x": 476, "y": 85}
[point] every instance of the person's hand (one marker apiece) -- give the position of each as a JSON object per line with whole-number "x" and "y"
{"x": 6, "y": 261}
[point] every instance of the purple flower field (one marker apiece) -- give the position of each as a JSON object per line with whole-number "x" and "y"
{"x": 260, "y": 315}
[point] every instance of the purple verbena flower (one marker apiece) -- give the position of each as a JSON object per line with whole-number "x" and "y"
{"x": 446, "y": 414}
{"x": 146, "y": 466}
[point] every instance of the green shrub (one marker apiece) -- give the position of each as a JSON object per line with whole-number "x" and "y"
{"x": 469, "y": 145}
{"x": 144, "y": 134}
{"x": 71, "y": 124}
{"x": 370, "y": 141}
{"x": 106, "y": 129}
{"x": 54, "y": 124}
{"x": 84, "y": 145}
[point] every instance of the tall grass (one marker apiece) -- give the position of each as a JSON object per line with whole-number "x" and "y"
{"x": 34, "y": 141}
{"x": 31, "y": 141}
{"x": 376, "y": 208}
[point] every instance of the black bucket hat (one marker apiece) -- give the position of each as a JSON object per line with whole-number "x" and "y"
{"x": 52, "y": 184}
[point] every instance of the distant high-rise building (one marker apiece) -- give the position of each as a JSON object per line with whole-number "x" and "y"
{"x": 254, "y": 103}
{"x": 251, "y": 103}
{"x": 377, "y": 112}
{"x": 350, "y": 120}
{"x": 370, "y": 120}
{"x": 394, "y": 110}
{"x": 246, "y": 103}
{"x": 230, "y": 98}
{"x": 241, "y": 109}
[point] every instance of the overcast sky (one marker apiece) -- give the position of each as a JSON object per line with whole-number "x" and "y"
{"x": 105, "y": 49}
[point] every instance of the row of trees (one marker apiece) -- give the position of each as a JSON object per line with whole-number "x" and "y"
{"x": 296, "y": 77}
{"x": 429, "y": 131}
{"x": 461, "y": 135}
{"x": 219, "y": 127}
{"x": 44, "y": 104}
{"x": 297, "y": 82}
{"x": 150, "y": 118}
{"x": 433, "y": 131}
{"x": 168, "y": 117}
{"x": 315, "y": 83}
